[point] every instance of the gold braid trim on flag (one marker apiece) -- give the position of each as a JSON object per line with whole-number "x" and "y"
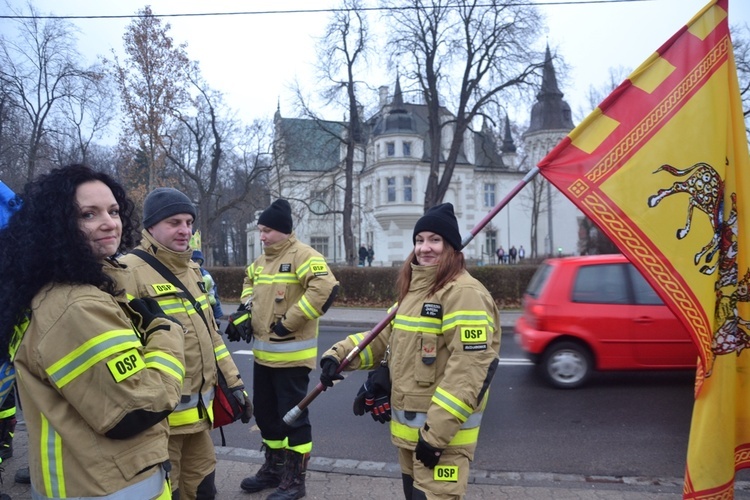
{"x": 624, "y": 234}
{"x": 660, "y": 113}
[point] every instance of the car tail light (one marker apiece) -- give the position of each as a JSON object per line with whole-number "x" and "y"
{"x": 535, "y": 316}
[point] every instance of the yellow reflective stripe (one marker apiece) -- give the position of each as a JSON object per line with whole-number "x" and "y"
{"x": 166, "y": 492}
{"x": 8, "y": 413}
{"x": 422, "y": 324}
{"x": 301, "y": 448}
{"x": 366, "y": 358}
{"x": 463, "y": 437}
{"x": 451, "y": 404}
{"x": 302, "y": 355}
{"x": 165, "y": 363}
{"x": 189, "y": 416}
{"x": 221, "y": 352}
{"x": 468, "y": 318}
{"x": 276, "y": 444}
{"x": 172, "y": 305}
{"x": 309, "y": 311}
{"x": 52, "y": 464}
{"x": 91, "y": 352}
{"x": 270, "y": 279}
{"x": 310, "y": 263}
{"x": 246, "y": 292}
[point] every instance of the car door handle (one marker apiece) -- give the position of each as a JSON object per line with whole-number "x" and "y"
{"x": 643, "y": 319}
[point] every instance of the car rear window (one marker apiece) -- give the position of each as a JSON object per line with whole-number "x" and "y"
{"x": 642, "y": 291}
{"x": 601, "y": 284}
{"x": 538, "y": 280}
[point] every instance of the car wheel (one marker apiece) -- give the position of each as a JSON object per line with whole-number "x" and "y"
{"x": 566, "y": 365}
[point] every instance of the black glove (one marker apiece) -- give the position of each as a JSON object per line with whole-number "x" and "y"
{"x": 328, "y": 367}
{"x": 375, "y": 395}
{"x": 144, "y": 312}
{"x": 243, "y": 400}
{"x": 427, "y": 454}
{"x": 239, "y": 325}
{"x": 279, "y": 329}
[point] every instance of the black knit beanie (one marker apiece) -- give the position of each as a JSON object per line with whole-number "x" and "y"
{"x": 165, "y": 202}
{"x": 441, "y": 220}
{"x": 278, "y": 216}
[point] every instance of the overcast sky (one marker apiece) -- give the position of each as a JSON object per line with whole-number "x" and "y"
{"x": 254, "y": 58}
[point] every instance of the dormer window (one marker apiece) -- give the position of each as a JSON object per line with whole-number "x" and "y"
{"x": 407, "y": 148}
{"x": 390, "y": 148}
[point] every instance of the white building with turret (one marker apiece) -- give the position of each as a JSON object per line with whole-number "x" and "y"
{"x": 390, "y": 177}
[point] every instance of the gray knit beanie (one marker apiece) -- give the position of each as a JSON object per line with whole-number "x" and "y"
{"x": 165, "y": 202}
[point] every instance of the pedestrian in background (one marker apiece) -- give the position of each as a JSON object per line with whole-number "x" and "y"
{"x": 500, "y": 254}
{"x": 512, "y": 253}
{"x": 163, "y": 270}
{"x": 210, "y": 285}
{"x": 362, "y": 255}
{"x": 96, "y": 391}
{"x": 370, "y": 255}
{"x": 440, "y": 354}
{"x": 288, "y": 288}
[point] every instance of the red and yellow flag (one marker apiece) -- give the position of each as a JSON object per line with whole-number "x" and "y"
{"x": 662, "y": 167}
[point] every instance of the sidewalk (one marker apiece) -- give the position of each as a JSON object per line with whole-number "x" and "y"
{"x": 336, "y": 479}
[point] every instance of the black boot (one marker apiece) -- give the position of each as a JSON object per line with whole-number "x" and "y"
{"x": 292, "y": 484}
{"x": 7, "y": 429}
{"x": 269, "y": 474}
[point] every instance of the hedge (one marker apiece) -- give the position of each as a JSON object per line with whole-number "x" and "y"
{"x": 376, "y": 286}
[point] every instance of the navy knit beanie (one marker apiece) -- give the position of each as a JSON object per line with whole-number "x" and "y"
{"x": 165, "y": 202}
{"x": 278, "y": 216}
{"x": 441, "y": 220}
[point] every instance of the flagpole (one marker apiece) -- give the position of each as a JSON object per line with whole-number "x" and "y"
{"x": 295, "y": 412}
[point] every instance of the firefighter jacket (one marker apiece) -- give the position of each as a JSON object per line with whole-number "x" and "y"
{"x": 443, "y": 351}
{"x": 96, "y": 394}
{"x": 290, "y": 283}
{"x": 204, "y": 348}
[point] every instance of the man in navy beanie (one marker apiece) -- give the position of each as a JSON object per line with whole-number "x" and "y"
{"x": 285, "y": 291}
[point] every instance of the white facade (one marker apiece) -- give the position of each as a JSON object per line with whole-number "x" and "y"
{"x": 390, "y": 177}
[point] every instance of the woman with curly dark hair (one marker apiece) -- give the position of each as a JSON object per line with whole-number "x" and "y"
{"x": 97, "y": 375}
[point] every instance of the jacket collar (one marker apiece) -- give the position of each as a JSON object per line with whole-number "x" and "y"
{"x": 170, "y": 258}
{"x": 280, "y": 247}
{"x": 422, "y": 277}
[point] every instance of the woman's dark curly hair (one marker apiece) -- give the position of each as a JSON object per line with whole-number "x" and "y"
{"x": 43, "y": 243}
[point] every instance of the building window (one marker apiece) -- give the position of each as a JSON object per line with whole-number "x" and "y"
{"x": 390, "y": 148}
{"x": 489, "y": 195}
{"x": 407, "y": 189}
{"x": 320, "y": 244}
{"x": 391, "y": 181}
{"x": 368, "y": 196}
{"x": 490, "y": 245}
{"x": 318, "y": 205}
{"x": 407, "y": 148}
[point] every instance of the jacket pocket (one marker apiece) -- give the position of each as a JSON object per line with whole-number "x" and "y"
{"x": 424, "y": 371}
{"x": 144, "y": 455}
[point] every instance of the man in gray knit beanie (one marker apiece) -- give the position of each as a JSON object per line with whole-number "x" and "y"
{"x": 165, "y": 202}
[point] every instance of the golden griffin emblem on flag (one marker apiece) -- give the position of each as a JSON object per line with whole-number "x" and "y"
{"x": 705, "y": 188}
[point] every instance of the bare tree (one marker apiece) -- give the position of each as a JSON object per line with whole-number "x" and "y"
{"x": 482, "y": 49}
{"x": 199, "y": 150}
{"x": 741, "y": 42}
{"x": 342, "y": 51}
{"x": 151, "y": 81}
{"x": 39, "y": 68}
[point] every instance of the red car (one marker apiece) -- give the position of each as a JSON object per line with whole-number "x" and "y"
{"x": 597, "y": 312}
